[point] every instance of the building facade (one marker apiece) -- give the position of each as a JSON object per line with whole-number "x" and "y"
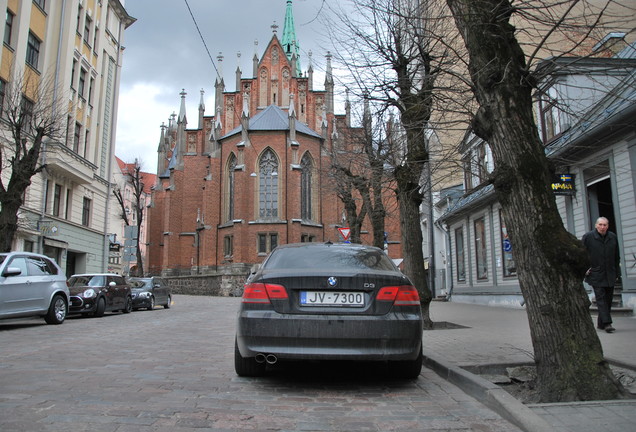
{"x": 76, "y": 45}
{"x": 254, "y": 175}
{"x": 134, "y": 188}
{"x": 586, "y": 111}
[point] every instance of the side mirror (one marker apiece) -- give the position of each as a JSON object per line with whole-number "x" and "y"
{"x": 112, "y": 283}
{"x": 12, "y": 271}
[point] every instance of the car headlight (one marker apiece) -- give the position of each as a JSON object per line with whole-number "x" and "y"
{"x": 89, "y": 293}
{"x": 144, "y": 295}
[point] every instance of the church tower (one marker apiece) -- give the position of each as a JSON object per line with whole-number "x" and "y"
{"x": 289, "y": 41}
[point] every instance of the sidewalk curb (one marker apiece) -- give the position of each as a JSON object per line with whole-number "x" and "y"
{"x": 491, "y": 395}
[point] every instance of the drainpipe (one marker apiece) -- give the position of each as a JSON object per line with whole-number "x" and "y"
{"x": 111, "y": 154}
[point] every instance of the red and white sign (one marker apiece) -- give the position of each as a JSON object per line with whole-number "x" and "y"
{"x": 345, "y": 233}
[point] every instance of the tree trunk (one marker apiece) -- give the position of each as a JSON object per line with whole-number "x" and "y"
{"x": 551, "y": 262}
{"x": 409, "y": 200}
{"x": 8, "y": 223}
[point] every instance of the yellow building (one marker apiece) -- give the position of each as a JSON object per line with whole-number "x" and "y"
{"x": 73, "y": 48}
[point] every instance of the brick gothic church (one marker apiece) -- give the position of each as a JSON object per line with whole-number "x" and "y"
{"x": 256, "y": 174}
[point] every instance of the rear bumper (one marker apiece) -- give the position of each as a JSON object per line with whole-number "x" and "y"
{"x": 394, "y": 336}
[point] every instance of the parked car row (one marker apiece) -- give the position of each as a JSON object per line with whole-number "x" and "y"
{"x": 33, "y": 285}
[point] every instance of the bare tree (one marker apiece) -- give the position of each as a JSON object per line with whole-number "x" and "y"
{"x": 31, "y": 116}
{"x": 393, "y": 52}
{"x": 359, "y": 169}
{"x": 551, "y": 262}
{"x": 134, "y": 179}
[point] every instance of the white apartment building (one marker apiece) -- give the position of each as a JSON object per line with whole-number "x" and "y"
{"x": 78, "y": 45}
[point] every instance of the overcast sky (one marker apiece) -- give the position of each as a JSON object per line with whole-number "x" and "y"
{"x": 165, "y": 54}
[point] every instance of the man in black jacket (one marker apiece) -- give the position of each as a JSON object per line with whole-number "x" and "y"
{"x": 602, "y": 247}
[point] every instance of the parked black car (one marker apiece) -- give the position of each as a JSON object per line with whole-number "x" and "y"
{"x": 148, "y": 292}
{"x": 96, "y": 293}
{"x": 311, "y": 301}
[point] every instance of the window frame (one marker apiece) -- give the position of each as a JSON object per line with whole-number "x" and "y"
{"x": 481, "y": 248}
{"x": 460, "y": 254}
{"x": 57, "y": 199}
{"x": 266, "y": 242}
{"x": 86, "y": 211}
{"x": 81, "y": 83}
{"x": 231, "y": 184}
{"x": 8, "y": 28}
{"x": 86, "y": 37}
{"x": 41, "y": 4}
{"x": 228, "y": 245}
{"x": 77, "y": 136}
{"x": 268, "y": 186}
{"x": 33, "y": 50}
{"x": 306, "y": 167}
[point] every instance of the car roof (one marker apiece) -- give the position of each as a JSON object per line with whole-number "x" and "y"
{"x": 33, "y": 254}
{"x": 326, "y": 245}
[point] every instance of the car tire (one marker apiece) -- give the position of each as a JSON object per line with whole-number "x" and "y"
{"x": 167, "y": 305}
{"x": 128, "y": 305}
{"x": 101, "y": 307}
{"x": 247, "y": 366}
{"x": 57, "y": 310}
{"x": 407, "y": 369}
{"x": 152, "y": 303}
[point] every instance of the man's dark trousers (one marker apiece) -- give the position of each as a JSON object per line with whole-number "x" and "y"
{"x": 604, "y": 297}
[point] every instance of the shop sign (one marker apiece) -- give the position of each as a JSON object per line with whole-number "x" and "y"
{"x": 563, "y": 184}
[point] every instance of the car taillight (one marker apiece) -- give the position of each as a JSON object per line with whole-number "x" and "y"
{"x": 404, "y": 295}
{"x": 262, "y": 293}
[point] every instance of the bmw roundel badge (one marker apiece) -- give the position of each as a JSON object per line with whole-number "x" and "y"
{"x": 332, "y": 281}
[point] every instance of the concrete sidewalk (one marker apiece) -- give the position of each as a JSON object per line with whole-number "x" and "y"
{"x": 501, "y": 336}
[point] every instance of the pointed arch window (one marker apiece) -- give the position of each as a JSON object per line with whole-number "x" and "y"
{"x": 231, "y": 169}
{"x": 306, "y": 167}
{"x": 268, "y": 185}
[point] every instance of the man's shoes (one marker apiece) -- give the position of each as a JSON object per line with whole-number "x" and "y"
{"x": 609, "y": 328}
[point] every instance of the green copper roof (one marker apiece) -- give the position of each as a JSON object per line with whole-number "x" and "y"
{"x": 290, "y": 43}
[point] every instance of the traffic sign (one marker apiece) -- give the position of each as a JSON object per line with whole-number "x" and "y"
{"x": 345, "y": 233}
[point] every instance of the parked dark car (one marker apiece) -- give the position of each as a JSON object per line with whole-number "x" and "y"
{"x": 324, "y": 301}
{"x": 96, "y": 293}
{"x": 32, "y": 285}
{"x": 149, "y": 292}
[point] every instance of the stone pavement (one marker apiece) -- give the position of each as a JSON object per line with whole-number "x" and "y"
{"x": 172, "y": 371}
{"x": 501, "y": 336}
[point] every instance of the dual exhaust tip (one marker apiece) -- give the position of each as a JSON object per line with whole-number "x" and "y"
{"x": 269, "y": 358}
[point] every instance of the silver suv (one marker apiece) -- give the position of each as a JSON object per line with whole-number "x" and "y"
{"x": 32, "y": 285}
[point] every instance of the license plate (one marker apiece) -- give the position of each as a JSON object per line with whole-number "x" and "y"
{"x": 331, "y": 298}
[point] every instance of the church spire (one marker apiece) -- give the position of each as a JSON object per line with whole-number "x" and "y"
{"x": 289, "y": 42}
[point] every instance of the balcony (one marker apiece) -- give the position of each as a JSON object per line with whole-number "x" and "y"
{"x": 62, "y": 160}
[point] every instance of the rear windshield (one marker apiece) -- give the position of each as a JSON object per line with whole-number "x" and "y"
{"x": 138, "y": 283}
{"x": 336, "y": 258}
